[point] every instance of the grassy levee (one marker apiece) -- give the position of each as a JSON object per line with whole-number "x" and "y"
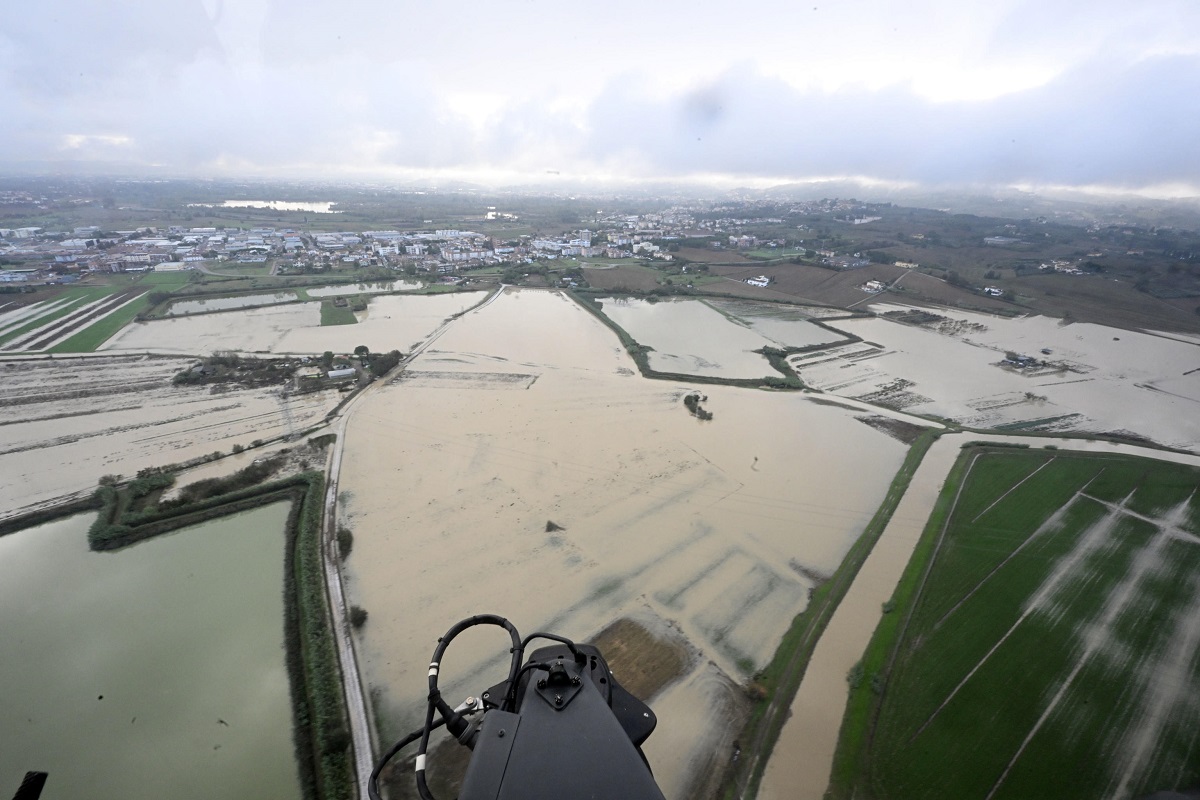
{"x": 780, "y": 679}
{"x": 639, "y": 354}
{"x": 1034, "y": 607}
{"x": 321, "y": 728}
{"x": 861, "y": 703}
{"x": 78, "y": 506}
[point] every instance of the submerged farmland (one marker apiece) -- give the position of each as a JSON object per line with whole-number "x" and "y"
{"x": 707, "y": 534}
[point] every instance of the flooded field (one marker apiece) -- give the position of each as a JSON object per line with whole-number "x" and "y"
{"x": 714, "y": 531}
{"x": 41, "y": 326}
{"x": 785, "y": 325}
{"x": 379, "y": 287}
{"x": 800, "y": 765}
{"x": 254, "y": 330}
{"x": 180, "y": 307}
{"x": 67, "y": 421}
{"x": 160, "y": 673}
{"x": 1092, "y": 378}
{"x": 394, "y": 322}
{"x": 390, "y": 323}
{"x": 690, "y": 337}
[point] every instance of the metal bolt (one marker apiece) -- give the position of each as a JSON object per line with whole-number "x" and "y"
{"x": 501, "y": 733}
{"x": 558, "y": 699}
{"x": 575, "y": 681}
{"x": 542, "y": 683}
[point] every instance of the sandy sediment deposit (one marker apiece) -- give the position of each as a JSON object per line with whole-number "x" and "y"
{"x": 390, "y": 323}
{"x": 68, "y": 421}
{"x": 527, "y": 411}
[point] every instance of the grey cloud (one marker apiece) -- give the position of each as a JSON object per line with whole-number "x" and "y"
{"x": 59, "y": 48}
{"x": 1099, "y": 123}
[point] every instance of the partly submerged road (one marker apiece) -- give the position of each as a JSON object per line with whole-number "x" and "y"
{"x": 800, "y": 765}
{"x": 357, "y": 708}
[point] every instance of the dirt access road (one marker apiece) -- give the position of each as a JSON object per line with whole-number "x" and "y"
{"x": 356, "y": 702}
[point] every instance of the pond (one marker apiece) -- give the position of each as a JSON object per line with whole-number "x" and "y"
{"x": 149, "y": 672}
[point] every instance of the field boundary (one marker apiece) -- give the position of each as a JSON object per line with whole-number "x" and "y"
{"x": 855, "y": 774}
{"x": 778, "y": 683}
{"x": 638, "y": 352}
{"x": 320, "y": 732}
{"x": 862, "y": 708}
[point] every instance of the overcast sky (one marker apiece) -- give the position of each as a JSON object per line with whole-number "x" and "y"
{"x": 1092, "y": 93}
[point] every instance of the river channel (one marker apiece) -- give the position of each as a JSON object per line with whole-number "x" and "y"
{"x": 149, "y": 672}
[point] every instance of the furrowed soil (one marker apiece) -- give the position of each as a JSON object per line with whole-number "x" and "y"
{"x": 1065, "y": 621}
{"x": 68, "y": 421}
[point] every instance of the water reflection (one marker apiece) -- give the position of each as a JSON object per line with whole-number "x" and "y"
{"x": 363, "y": 288}
{"x": 154, "y": 671}
{"x": 227, "y": 303}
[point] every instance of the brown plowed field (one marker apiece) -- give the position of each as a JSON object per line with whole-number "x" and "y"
{"x": 631, "y": 277}
{"x": 841, "y": 288}
{"x": 705, "y": 256}
{"x": 1107, "y": 302}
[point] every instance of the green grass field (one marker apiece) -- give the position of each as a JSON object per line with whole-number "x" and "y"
{"x": 335, "y": 315}
{"x": 1050, "y": 650}
{"x": 165, "y": 280}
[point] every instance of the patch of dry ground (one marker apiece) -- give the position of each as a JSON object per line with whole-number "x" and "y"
{"x": 632, "y": 277}
{"x": 843, "y": 287}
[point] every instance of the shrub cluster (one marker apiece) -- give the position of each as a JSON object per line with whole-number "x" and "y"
{"x": 251, "y": 475}
{"x": 692, "y": 401}
{"x": 321, "y": 734}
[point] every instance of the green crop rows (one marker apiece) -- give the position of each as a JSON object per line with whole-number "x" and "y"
{"x": 1052, "y": 648}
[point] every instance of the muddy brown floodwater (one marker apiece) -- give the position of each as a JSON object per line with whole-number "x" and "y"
{"x": 709, "y": 534}
{"x": 68, "y": 421}
{"x": 799, "y": 767}
{"x": 1094, "y": 378}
